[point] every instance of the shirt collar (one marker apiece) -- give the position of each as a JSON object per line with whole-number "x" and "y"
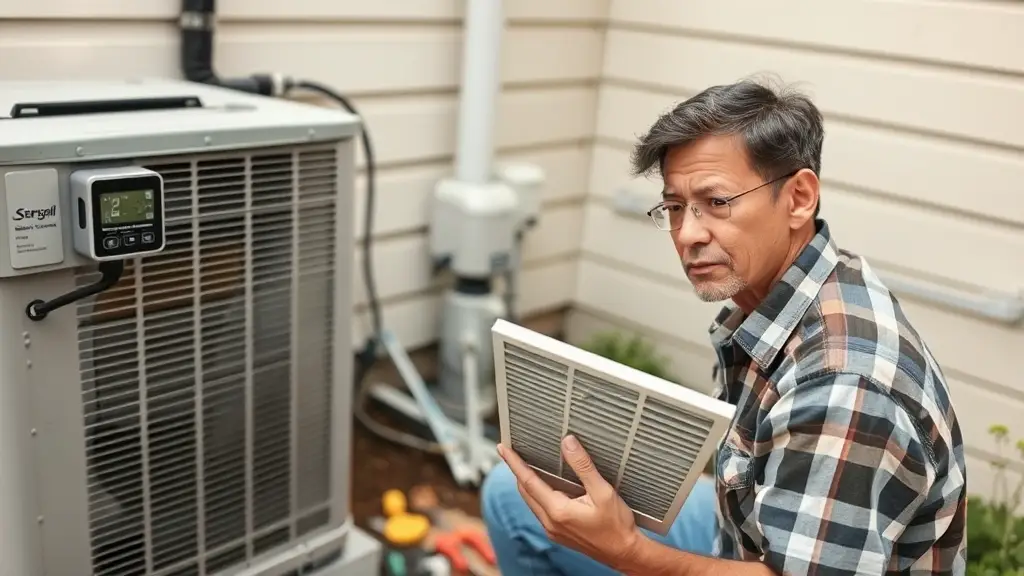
{"x": 766, "y": 330}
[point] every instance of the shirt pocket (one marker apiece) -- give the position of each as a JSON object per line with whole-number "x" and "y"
{"x": 734, "y": 469}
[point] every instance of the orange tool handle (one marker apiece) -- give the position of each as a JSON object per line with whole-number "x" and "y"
{"x": 450, "y": 544}
{"x": 480, "y": 543}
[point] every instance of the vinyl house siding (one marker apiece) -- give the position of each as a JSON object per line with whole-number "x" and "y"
{"x": 922, "y": 169}
{"x": 399, "y": 61}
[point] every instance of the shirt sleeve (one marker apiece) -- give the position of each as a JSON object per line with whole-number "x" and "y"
{"x": 844, "y": 473}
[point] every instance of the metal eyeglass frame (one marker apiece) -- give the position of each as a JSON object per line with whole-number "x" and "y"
{"x": 696, "y": 209}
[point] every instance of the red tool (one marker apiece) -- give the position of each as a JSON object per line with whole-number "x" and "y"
{"x": 450, "y": 544}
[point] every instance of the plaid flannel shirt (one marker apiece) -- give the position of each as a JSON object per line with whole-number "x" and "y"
{"x": 845, "y": 455}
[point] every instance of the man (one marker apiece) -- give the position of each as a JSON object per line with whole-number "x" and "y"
{"x": 844, "y": 457}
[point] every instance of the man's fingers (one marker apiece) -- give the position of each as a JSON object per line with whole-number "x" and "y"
{"x": 542, "y": 494}
{"x": 583, "y": 466}
{"x": 538, "y": 510}
{"x": 519, "y": 468}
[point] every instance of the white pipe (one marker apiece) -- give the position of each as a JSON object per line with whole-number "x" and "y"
{"x": 405, "y": 404}
{"x": 481, "y": 84}
{"x": 1003, "y": 308}
{"x": 474, "y": 426}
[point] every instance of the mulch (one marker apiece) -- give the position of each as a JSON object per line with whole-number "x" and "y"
{"x": 379, "y": 465}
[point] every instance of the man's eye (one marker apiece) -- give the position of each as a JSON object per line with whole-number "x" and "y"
{"x": 672, "y": 207}
{"x": 718, "y": 202}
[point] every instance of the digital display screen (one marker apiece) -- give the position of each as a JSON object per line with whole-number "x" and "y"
{"x": 131, "y": 207}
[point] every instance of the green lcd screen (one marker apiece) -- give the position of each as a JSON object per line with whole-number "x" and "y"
{"x": 131, "y": 207}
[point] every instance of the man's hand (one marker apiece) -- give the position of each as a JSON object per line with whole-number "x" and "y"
{"x": 598, "y": 524}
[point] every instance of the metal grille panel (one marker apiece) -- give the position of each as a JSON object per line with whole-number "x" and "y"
{"x": 645, "y": 447}
{"x": 647, "y": 437}
{"x": 207, "y": 369}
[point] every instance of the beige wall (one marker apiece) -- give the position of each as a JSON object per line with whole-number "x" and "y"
{"x": 399, "y": 60}
{"x": 922, "y": 170}
{"x": 924, "y": 105}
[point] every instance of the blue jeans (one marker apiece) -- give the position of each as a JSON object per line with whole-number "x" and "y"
{"x": 523, "y": 548}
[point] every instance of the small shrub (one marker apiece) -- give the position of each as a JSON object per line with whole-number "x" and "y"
{"x": 995, "y": 532}
{"x": 632, "y": 351}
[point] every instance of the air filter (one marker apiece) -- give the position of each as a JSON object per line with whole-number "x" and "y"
{"x": 648, "y": 437}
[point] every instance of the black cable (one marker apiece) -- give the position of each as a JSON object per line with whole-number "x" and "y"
{"x": 369, "y": 353}
{"x": 197, "y": 21}
{"x": 368, "y": 356}
{"x": 110, "y": 271}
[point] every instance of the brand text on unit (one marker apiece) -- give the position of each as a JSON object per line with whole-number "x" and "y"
{"x": 34, "y": 213}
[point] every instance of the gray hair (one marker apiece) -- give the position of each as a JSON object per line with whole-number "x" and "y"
{"x": 782, "y": 128}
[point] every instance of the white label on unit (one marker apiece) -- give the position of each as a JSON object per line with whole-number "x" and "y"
{"x": 34, "y": 231}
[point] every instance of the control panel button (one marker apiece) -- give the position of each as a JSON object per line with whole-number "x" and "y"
{"x": 130, "y": 239}
{"x": 148, "y": 237}
{"x": 111, "y": 242}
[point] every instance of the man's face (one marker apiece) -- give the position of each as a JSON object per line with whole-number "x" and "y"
{"x": 726, "y": 257}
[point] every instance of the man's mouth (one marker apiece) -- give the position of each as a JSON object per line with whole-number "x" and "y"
{"x": 700, "y": 268}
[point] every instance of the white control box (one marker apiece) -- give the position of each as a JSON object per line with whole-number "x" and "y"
{"x": 118, "y": 212}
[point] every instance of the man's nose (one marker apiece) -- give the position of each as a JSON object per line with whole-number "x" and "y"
{"x": 693, "y": 231}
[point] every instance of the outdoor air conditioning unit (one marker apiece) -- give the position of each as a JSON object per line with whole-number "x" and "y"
{"x": 649, "y": 438}
{"x": 186, "y": 409}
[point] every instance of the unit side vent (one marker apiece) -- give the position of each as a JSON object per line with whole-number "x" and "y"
{"x": 648, "y": 437}
{"x": 207, "y": 370}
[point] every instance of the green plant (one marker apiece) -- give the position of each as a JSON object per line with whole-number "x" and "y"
{"x": 630, "y": 350}
{"x": 995, "y": 532}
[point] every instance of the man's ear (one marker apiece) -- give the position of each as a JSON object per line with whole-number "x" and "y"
{"x": 804, "y": 188}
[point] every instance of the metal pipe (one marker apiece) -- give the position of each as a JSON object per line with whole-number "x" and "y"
{"x": 481, "y": 84}
{"x": 439, "y": 424}
{"x": 474, "y": 426}
{"x": 1002, "y": 308}
{"x": 197, "y": 22}
{"x": 406, "y": 405}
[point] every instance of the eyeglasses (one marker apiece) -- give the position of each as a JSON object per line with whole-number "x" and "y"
{"x": 668, "y": 215}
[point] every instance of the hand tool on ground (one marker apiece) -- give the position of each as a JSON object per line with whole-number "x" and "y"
{"x": 450, "y": 544}
{"x": 423, "y": 499}
{"x": 395, "y": 564}
{"x": 436, "y": 565}
{"x": 402, "y": 528}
